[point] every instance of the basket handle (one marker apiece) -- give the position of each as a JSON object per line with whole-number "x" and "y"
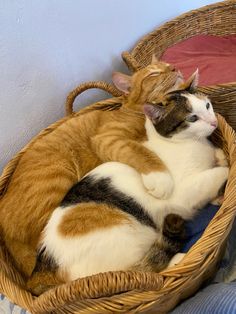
{"x": 130, "y": 61}
{"x": 109, "y": 88}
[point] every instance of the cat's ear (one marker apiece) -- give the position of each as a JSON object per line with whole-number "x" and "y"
{"x": 180, "y": 79}
{"x": 177, "y": 87}
{"x": 122, "y": 81}
{"x": 153, "y": 112}
{"x": 154, "y": 59}
{"x": 192, "y": 82}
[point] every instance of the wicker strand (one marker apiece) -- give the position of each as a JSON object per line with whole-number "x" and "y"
{"x": 109, "y": 88}
{"x": 102, "y": 285}
{"x": 130, "y": 61}
{"x": 15, "y": 293}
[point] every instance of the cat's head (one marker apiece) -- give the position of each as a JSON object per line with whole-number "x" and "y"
{"x": 183, "y": 113}
{"x": 148, "y": 84}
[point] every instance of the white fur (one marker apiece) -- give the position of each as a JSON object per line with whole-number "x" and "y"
{"x": 115, "y": 248}
{"x": 195, "y": 182}
{"x": 159, "y": 184}
{"x": 191, "y": 164}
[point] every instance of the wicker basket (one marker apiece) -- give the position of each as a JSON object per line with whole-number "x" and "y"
{"x": 135, "y": 292}
{"x": 216, "y": 19}
{"x": 127, "y": 292}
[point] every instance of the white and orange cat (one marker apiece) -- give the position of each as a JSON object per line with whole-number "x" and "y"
{"x": 61, "y": 156}
{"x": 109, "y": 221}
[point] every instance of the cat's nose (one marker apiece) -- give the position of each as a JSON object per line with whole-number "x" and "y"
{"x": 214, "y": 124}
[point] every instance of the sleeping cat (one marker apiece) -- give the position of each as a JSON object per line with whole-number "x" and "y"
{"x": 54, "y": 162}
{"x": 108, "y": 221}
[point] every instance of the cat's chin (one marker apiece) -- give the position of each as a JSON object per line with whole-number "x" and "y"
{"x": 196, "y": 136}
{"x": 208, "y": 131}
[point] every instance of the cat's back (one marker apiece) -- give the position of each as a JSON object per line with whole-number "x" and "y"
{"x": 45, "y": 172}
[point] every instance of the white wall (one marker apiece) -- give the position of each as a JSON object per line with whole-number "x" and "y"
{"x": 47, "y": 47}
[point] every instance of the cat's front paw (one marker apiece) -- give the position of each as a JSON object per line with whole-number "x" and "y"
{"x": 159, "y": 184}
{"x": 224, "y": 172}
{"x": 218, "y": 201}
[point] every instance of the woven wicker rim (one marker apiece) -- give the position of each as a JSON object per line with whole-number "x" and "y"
{"x": 215, "y": 19}
{"x": 114, "y": 283}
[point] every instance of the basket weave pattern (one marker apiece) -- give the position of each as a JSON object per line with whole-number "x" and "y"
{"x": 135, "y": 292}
{"x": 216, "y": 19}
{"x": 125, "y": 291}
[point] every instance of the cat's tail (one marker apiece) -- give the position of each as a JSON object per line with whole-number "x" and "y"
{"x": 165, "y": 247}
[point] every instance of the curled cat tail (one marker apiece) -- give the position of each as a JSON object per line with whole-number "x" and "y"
{"x": 164, "y": 248}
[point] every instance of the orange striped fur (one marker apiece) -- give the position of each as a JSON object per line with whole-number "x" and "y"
{"x": 56, "y": 161}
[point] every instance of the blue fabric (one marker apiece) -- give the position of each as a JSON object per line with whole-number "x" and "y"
{"x": 227, "y": 270}
{"x": 217, "y": 298}
{"x": 6, "y": 307}
{"x": 220, "y": 296}
{"x": 196, "y": 227}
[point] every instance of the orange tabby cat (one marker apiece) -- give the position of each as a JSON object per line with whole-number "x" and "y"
{"x": 55, "y": 162}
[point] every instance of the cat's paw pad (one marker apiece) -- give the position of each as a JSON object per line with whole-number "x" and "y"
{"x": 176, "y": 259}
{"x": 221, "y": 160}
{"x": 159, "y": 184}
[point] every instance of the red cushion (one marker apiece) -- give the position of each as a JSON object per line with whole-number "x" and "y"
{"x": 214, "y": 56}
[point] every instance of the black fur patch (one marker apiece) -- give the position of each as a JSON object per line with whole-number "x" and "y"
{"x": 174, "y": 119}
{"x": 101, "y": 191}
{"x": 174, "y": 232}
{"x": 44, "y": 262}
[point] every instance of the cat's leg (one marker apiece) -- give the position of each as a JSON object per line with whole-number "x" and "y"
{"x": 218, "y": 200}
{"x": 165, "y": 247}
{"x": 159, "y": 184}
{"x": 220, "y": 157}
{"x": 221, "y": 161}
{"x": 156, "y": 177}
{"x": 200, "y": 189}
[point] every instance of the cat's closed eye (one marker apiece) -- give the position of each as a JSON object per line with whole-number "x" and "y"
{"x": 192, "y": 118}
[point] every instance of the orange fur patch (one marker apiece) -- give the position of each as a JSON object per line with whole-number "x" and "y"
{"x": 88, "y": 217}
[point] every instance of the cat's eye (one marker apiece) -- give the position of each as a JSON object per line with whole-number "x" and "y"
{"x": 192, "y": 118}
{"x": 208, "y": 105}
